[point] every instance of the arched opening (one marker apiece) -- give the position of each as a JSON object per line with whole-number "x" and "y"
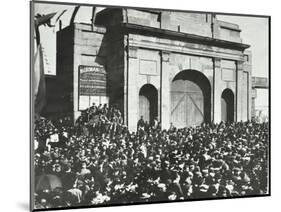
{"x": 227, "y": 106}
{"x": 190, "y": 99}
{"x": 148, "y": 98}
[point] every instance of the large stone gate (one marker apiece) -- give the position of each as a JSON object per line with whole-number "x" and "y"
{"x": 183, "y": 68}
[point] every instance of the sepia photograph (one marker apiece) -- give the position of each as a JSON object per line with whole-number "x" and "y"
{"x": 135, "y": 105}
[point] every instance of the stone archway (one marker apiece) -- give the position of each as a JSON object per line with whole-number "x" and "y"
{"x": 227, "y": 106}
{"x": 148, "y": 99}
{"x": 190, "y": 99}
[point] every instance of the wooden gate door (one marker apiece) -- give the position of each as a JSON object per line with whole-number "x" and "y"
{"x": 187, "y": 104}
{"x": 144, "y": 108}
{"x": 227, "y": 106}
{"x": 223, "y": 110}
{"x": 148, "y": 102}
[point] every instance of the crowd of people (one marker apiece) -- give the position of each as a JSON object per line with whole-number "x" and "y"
{"x": 98, "y": 161}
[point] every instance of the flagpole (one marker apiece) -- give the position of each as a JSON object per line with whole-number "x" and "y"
{"x": 74, "y": 15}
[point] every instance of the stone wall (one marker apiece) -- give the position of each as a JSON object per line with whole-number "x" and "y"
{"x": 145, "y": 18}
{"x": 115, "y": 62}
{"x": 202, "y": 24}
{"x": 89, "y": 50}
{"x": 193, "y": 23}
{"x": 228, "y": 31}
{"x": 144, "y": 67}
{"x": 79, "y": 44}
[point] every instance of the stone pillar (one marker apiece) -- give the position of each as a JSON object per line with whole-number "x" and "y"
{"x": 165, "y": 90}
{"x": 253, "y": 102}
{"x": 133, "y": 93}
{"x": 126, "y": 62}
{"x": 250, "y": 107}
{"x": 249, "y": 96}
{"x": 239, "y": 91}
{"x": 247, "y": 67}
{"x": 217, "y": 90}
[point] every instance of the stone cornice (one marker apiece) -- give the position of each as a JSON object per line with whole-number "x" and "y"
{"x": 182, "y": 50}
{"x": 145, "y": 30}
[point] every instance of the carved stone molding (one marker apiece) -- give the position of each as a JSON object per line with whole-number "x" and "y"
{"x": 240, "y": 65}
{"x": 132, "y": 52}
{"x": 217, "y": 62}
{"x": 165, "y": 55}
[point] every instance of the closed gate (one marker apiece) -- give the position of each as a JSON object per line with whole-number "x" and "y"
{"x": 148, "y": 98}
{"x": 190, "y": 106}
{"x": 227, "y": 106}
{"x": 144, "y": 108}
{"x": 187, "y": 104}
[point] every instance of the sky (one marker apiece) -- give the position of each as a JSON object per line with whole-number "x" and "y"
{"x": 254, "y": 32}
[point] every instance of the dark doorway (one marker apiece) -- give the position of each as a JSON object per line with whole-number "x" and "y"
{"x": 190, "y": 99}
{"x": 148, "y": 98}
{"x": 227, "y": 106}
